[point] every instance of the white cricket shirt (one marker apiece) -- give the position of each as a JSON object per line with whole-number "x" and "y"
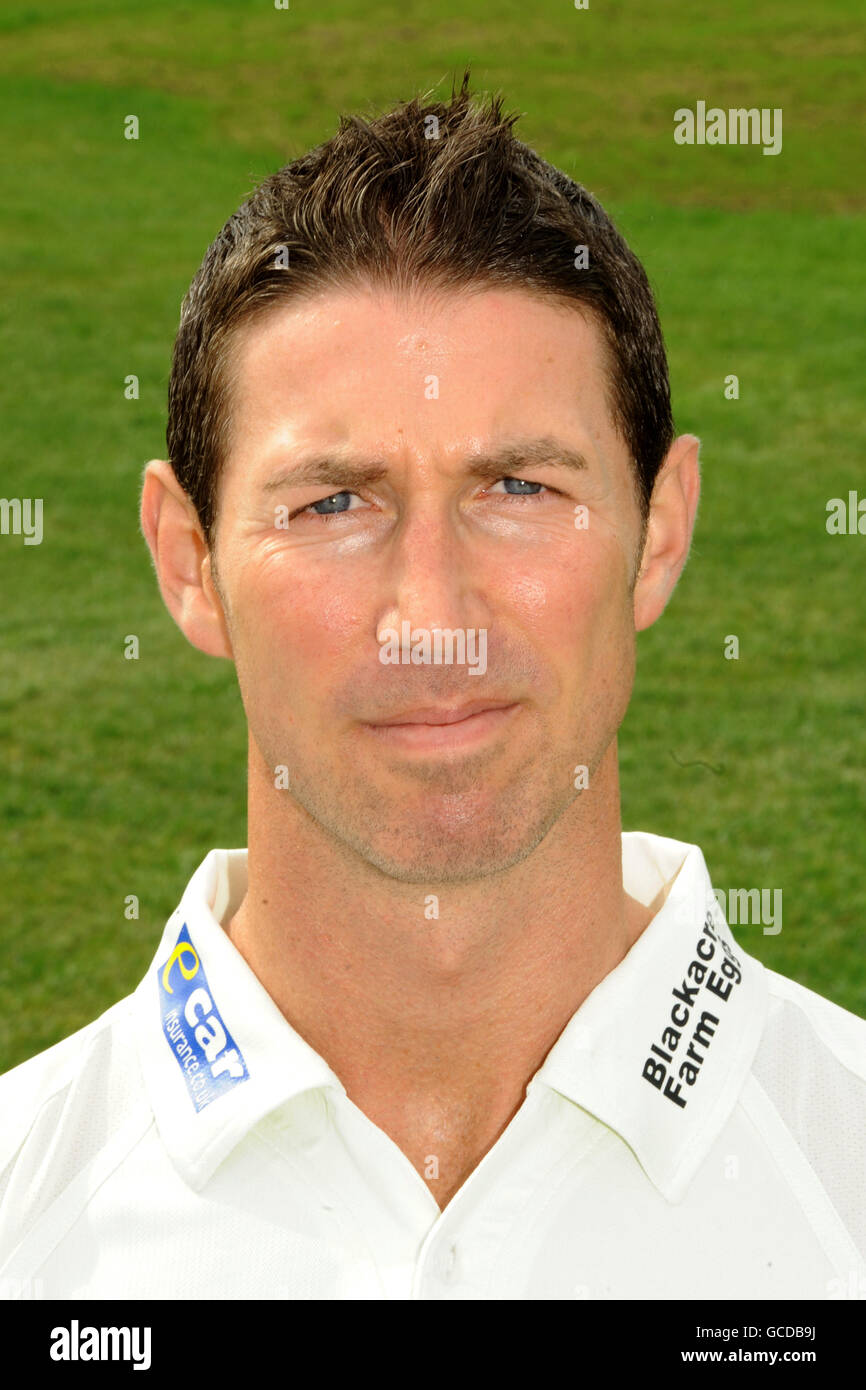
{"x": 698, "y": 1130}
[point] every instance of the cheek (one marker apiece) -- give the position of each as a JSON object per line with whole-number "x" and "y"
{"x": 302, "y": 603}
{"x": 579, "y": 594}
{"x": 294, "y": 634}
{"x": 343, "y": 612}
{"x": 525, "y": 594}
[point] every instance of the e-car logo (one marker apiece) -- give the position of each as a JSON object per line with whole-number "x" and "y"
{"x": 207, "y": 1054}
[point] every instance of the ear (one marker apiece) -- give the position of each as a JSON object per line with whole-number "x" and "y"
{"x": 182, "y": 560}
{"x": 671, "y": 521}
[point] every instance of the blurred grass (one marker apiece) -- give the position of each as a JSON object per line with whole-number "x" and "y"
{"x": 121, "y": 775}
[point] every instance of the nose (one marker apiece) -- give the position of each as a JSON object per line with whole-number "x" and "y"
{"x": 429, "y": 580}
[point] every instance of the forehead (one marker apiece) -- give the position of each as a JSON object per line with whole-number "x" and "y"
{"x": 436, "y": 373}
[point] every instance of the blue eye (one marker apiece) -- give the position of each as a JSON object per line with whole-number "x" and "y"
{"x": 337, "y": 502}
{"x": 519, "y": 485}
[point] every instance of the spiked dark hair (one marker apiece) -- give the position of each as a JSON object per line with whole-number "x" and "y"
{"x": 441, "y": 196}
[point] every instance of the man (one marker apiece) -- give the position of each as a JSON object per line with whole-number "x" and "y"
{"x": 442, "y": 1031}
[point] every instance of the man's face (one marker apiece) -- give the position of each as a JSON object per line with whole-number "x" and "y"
{"x": 431, "y": 404}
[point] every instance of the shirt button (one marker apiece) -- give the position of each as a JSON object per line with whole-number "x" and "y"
{"x": 450, "y": 1262}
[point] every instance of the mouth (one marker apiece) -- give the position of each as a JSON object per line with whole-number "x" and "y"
{"x": 444, "y": 727}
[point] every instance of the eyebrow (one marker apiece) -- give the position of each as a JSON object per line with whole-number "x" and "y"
{"x": 508, "y": 458}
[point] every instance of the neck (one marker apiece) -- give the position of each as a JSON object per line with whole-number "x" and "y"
{"x": 398, "y": 999}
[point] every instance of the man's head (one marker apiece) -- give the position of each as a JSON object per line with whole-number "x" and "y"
{"x": 402, "y": 393}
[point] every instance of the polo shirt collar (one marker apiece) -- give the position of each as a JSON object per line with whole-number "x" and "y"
{"x": 660, "y": 1049}
{"x": 215, "y": 1051}
{"x": 217, "y": 1055}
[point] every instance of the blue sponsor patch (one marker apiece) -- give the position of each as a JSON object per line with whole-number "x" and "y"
{"x": 209, "y": 1058}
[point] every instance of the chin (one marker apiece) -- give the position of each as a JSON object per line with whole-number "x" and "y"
{"x": 433, "y": 856}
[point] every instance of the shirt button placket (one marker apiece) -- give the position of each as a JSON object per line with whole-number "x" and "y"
{"x": 449, "y": 1263}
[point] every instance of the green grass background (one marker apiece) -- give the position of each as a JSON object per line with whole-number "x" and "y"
{"x": 118, "y": 776}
